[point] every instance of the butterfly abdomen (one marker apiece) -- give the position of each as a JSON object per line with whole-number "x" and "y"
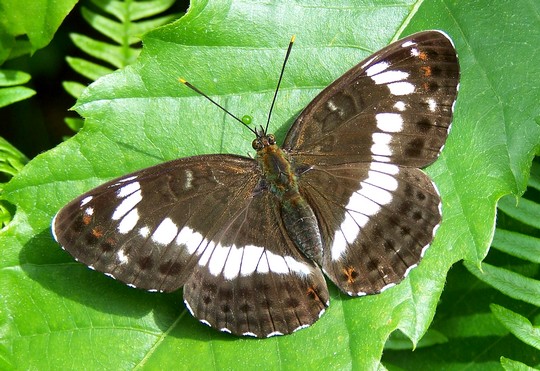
{"x": 302, "y": 227}
{"x": 298, "y": 217}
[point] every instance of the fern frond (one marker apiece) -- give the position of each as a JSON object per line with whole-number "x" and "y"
{"x": 120, "y": 22}
{"x": 9, "y": 91}
{"x": 517, "y": 281}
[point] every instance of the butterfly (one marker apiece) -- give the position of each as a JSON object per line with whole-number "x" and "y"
{"x": 248, "y": 239}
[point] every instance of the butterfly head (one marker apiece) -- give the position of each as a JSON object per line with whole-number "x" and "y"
{"x": 263, "y": 141}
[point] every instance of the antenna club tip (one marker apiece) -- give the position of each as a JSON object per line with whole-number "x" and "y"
{"x": 181, "y": 80}
{"x": 293, "y": 38}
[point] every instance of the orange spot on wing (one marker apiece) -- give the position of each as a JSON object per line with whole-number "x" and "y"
{"x": 351, "y": 274}
{"x": 313, "y": 293}
{"x": 426, "y": 70}
{"x": 97, "y": 232}
{"x": 86, "y": 219}
{"x": 423, "y": 56}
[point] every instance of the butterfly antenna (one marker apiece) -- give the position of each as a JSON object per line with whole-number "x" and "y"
{"x": 279, "y": 82}
{"x": 189, "y": 85}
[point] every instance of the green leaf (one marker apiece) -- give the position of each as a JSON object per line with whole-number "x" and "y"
{"x": 475, "y": 338}
{"x": 62, "y": 315}
{"x": 518, "y": 325}
{"x": 36, "y": 19}
{"x": 74, "y": 124}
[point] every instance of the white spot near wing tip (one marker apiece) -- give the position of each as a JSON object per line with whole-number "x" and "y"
{"x": 361, "y": 293}
{"x": 376, "y": 68}
{"x": 275, "y": 333}
{"x": 249, "y": 334}
{"x": 110, "y": 275}
{"x": 225, "y": 329}
{"x": 127, "y": 205}
{"x": 129, "y": 178}
{"x": 132, "y": 285}
{"x": 90, "y": 266}
{"x": 152, "y": 290}
{"x": 86, "y": 200}
{"x": 128, "y": 189}
{"x": 205, "y": 322}
{"x": 368, "y": 62}
{"x": 389, "y": 76}
{"x": 408, "y": 43}
{"x": 323, "y": 310}
{"x": 128, "y": 222}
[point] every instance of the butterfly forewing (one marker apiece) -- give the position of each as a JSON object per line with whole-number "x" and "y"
{"x": 395, "y": 106}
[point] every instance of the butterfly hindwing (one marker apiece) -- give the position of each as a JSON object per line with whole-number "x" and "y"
{"x": 376, "y": 220}
{"x": 395, "y": 106}
{"x": 253, "y": 280}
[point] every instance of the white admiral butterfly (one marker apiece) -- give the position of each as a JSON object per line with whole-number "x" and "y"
{"x": 249, "y": 239}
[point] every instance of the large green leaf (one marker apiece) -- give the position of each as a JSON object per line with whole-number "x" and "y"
{"x": 36, "y": 20}
{"x": 57, "y": 313}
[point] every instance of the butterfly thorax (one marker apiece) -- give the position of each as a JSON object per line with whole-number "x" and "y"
{"x": 281, "y": 180}
{"x": 276, "y": 167}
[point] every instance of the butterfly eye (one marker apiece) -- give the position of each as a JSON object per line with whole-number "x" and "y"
{"x": 256, "y": 144}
